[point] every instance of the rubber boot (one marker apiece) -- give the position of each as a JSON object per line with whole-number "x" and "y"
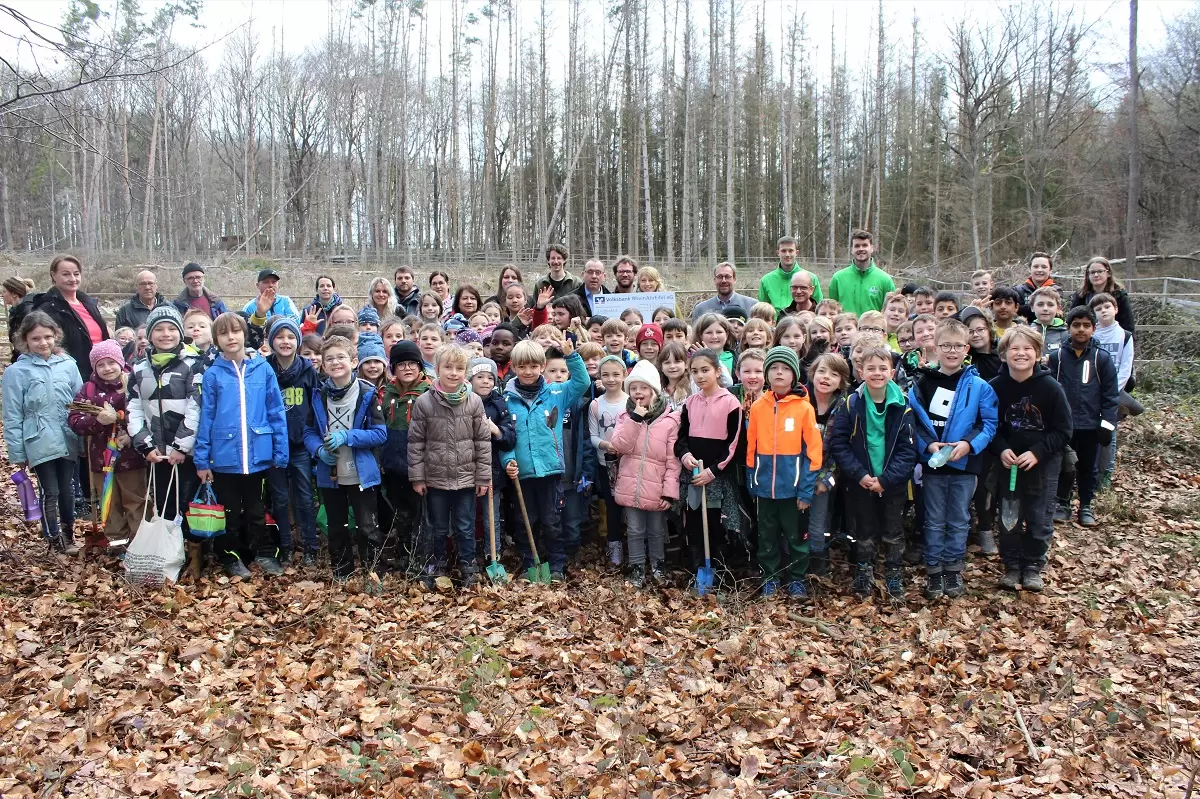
{"x": 195, "y": 560}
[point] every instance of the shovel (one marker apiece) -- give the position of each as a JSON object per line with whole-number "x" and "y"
{"x": 539, "y": 572}
{"x": 704, "y": 574}
{"x": 1010, "y": 508}
{"x": 495, "y": 569}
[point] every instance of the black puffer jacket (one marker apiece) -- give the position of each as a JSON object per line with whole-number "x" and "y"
{"x": 76, "y": 341}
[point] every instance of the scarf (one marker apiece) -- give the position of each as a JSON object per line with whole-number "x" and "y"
{"x": 160, "y": 360}
{"x": 455, "y": 397}
{"x": 529, "y": 393}
{"x": 657, "y": 408}
{"x": 333, "y": 392}
{"x": 334, "y": 302}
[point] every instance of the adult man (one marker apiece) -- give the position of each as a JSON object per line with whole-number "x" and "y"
{"x": 861, "y": 286}
{"x": 1040, "y": 269}
{"x": 625, "y": 271}
{"x": 802, "y": 290}
{"x": 559, "y": 279}
{"x": 269, "y": 301}
{"x": 775, "y": 287}
{"x": 408, "y": 296}
{"x": 134, "y": 312}
{"x": 194, "y": 295}
{"x": 593, "y": 284}
{"x": 724, "y": 280}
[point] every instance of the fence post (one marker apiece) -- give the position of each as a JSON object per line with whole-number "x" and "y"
{"x": 1166, "y": 281}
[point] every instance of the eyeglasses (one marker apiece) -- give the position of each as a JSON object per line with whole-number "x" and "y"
{"x": 952, "y": 347}
{"x": 870, "y": 330}
{"x": 1097, "y": 272}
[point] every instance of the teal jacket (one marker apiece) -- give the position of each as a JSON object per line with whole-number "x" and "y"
{"x": 539, "y": 448}
{"x": 36, "y": 393}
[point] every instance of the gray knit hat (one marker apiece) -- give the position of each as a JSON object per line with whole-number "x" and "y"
{"x": 478, "y": 365}
{"x": 164, "y": 313}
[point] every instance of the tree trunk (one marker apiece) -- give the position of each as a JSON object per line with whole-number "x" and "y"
{"x": 1135, "y": 166}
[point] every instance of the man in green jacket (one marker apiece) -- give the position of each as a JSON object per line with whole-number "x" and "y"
{"x": 776, "y": 286}
{"x": 861, "y": 286}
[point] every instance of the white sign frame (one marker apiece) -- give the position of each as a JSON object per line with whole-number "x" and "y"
{"x": 613, "y": 305}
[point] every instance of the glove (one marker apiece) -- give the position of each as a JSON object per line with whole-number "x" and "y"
{"x": 335, "y": 441}
{"x": 328, "y": 458}
{"x": 1104, "y": 436}
{"x": 106, "y": 415}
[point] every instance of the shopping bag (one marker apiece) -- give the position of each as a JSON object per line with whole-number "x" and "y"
{"x": 206, "y": 518}
{"x": 156, "y": 552}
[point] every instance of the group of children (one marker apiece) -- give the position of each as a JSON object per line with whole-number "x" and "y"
{"x": 772, "y": 437}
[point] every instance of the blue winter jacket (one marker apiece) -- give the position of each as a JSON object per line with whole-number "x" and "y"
{"x": 367, "y": 434}
{"x": 36, "y": 393}
{"x": 581, "y": 459}
{"x": 297, "y": 384}
{"x": 243, "y": 424}
{"x": 538, "y": 450}
{"x": 496, "y": 409}
{"x": 848, "y": 442}
{"x": 283, "y": 306}
{"x": 973, "y": 418}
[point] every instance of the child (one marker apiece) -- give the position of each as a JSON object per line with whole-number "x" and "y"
{"x": 537, "y": 407}
{"x": 450, "y": 461}
{"x": 672, "y": 362}
{"x": 591, "y": 352}
{"x": 783, "y": 456}
{"x": 756, "y": 335}
{"x": 982, "y": 339}
{"x": 736, "y": 316}
{"x": 872, "y": 442}
{"x": 712, "y": 332}
{"x": 925, "y": 355}
{"x": 484, "y": 383}
{"x": 595, "y": 328}
{"x": 631, "y": 337}
{"x": 790, "y": 333}
{"x": 648, "y": 477}
{"x": 372, "y": 361}
{"x": 845, "y": 330}
{"x": 602, "y": 420}
{"x": 106, "y": 390}
{"x": 402, "y": 549}
{"x": 1044, "y": 303}
{"x": 344, "y": 331}
{"x": 1089, "y": 379}
{"x": 752, "y": 378}
{"x": 710, "y": 428}
{"x": 197, "y": 330}
{"x": 125, "y": 336}
{"x": 37, "y": 389}
{"x": 343, "y": 431}
{"x": 905, "y": 338}
{"x": 1006, "y": 304}
{"x": 675, "y": 330}
{"x": 821, "y": 329}
{"x": 1034, "y": 427}
{"x": 981, "y": 288}
{"x": 895, "y": 314}
{"x": 987, "y": 363}
{"x": 614, "y": 332}
{"x": 491, "y": 311}
{"x": 430, "y": 310}
{"x": 1118, "y": 343}
{"x": 830, "y": 309}
{"x": 945, "y": 305}
{"x": 412, "y": 326}
{"x": 242, "y": 433}
{"x": 500, "y": 348}
{"x": 297, "y": 381}
{"x": 478, "y": 322}
{"x": 828, "y": 378}
{"x": 953, "y": 407}
{"x": 631, "y": 317}
{"x": 311, "y": 347}
{"x": 579, "y": 458}
{"x": 649, "y": 342}
{"x": 924, "y": 301}
{"x": 662, "y": 314}
{"x": 764, "y": 311}
{"x": 548, "y": 336}
{"x": 391, "y": 332}
{"x": 429, "y": 341}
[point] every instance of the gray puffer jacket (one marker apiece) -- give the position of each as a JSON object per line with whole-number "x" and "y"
{"x": 449, "y": 446}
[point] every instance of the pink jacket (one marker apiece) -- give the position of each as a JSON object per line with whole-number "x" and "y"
{"x": 649, "y": 470}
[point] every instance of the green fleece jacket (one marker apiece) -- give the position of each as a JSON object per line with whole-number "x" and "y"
{"x": 859, "y": 292}
{"x": 776, "y": 287}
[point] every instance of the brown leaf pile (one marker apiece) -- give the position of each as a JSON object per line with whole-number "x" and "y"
{"x": 294, "y": 689}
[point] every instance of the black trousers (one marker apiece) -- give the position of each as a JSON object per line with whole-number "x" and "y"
{"x": 245, "y": 516}
{"x": 365, "y": 502}
{"x": 181, "y": 493}
{"x": 879, "y": 521}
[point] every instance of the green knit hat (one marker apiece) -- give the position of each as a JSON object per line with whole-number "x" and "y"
{"x": 786, "y": 356}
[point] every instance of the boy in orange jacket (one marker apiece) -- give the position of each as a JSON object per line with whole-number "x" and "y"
{"x": 783, "y": 456}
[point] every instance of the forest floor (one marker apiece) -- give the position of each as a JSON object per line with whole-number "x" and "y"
{"x": 295, "y": 688}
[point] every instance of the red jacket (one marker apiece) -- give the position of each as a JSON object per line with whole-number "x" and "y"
{"x": 98, "y": 392}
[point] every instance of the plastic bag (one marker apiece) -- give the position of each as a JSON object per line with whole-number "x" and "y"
{"x": 156, "y": 552}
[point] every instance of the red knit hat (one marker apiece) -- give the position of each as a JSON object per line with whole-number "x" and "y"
{"x": 650, "y": 331}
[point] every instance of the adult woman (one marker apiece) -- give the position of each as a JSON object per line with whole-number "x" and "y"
{"x": 17, "y": 301}
{"x": 439, "y": 284}
{"x": 466, "y": 301}
{"x": 1098, "y": 279}
{"x": 509, "y": 275}
{"x": 75, "y": 312}
{"x": 649, "y": 280}
{"x": 381, "y": 297}
{"x": 326, "y": 299}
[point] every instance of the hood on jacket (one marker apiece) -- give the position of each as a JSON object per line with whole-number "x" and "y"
{"x": 893, "y": 394}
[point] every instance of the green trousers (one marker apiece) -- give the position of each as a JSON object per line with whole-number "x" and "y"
{"x": 781, "y": 538}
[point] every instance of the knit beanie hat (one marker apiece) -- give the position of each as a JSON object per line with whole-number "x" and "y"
{"x": 368, "y": 316}
{"x": 478, "y": 365}
{"x": 192, "y": 267}
{"x": 278, "y": 325}
{"x": 370, "y": 348}
{"x": 404, "y": 352}
{"x": 644, "y": 372}
{"x": 734, "y": 312}
{"x": 467, "y": 336}
{"x": 649, "y": 331}
{"x": 786, "y": 356}
{"x": 107, "y": 349}
{"x": 611, "y": 359}
{"x": 161, "y": 314}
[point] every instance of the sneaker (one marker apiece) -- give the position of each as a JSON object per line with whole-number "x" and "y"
{"x": 864, "y": 580}
{"x": 798, "y": 589}
{"x": 64, "y": 545}
{"x": 1062, "y": 512}
{"x": 1087, "y": 518}
{"x": 285, "y": 556}
{"x": 637, "y": 574}
{"x": 894, "y": 582}
{"x": 1011, "y": 578}
{"x": 770, "y": 588}
{"x": 658, "y": 571}
{"x": 235, "y": 568}
{"x": 935, "y": 586}
{"x": 310, "y": 560}
{"x": 987, "y": 543}
{"x": 953, "y": 583}
{"x": 615, "y": 553}
{"x": 1031, "y": 580}
{"x": 1105, "y": 481}
{"x": 269, "y": 566}
{"x": 558, "y": 577}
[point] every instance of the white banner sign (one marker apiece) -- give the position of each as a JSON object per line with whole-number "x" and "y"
{"x": 613, "y": 305}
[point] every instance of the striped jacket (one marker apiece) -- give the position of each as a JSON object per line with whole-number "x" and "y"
{"x": 164, "y": 404}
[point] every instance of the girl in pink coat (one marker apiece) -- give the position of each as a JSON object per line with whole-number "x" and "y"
{"x": 648, "y": 475}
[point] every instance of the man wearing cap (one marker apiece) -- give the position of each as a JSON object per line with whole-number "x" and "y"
{"x": 724, "y": 279}
{"x": 270, "y": 302}
{"x": 133, "y": 313}
{"x": 194, "y": 295}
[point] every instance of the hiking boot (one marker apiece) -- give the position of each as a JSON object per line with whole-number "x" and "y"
{"x": 894, "y": 583}
{"x": 818, "y": 565}
{"x": 1105, "y": 481}
{"x": 987, "y": 543}
{"x": 1031, "y": 580}
{"x": 269, "y": 565}
{"x": 195, "y": 558}
{"x": 864, "y": 580}
{"x": 64, "y": 544}
{"x": 935, "y": 586}
{"x": 952, "y": 583}
{"x": 658, "y": 571}
{"x": 798, "y": 589}
{"x": 615, "y": 553}
{"x": 235, "y": 568}
{"x": 1011, "y": 578}
{"x": 1062, "y": 512}
{"x": 1087, "y": 518}
{"x": 310, "y": 560}
{"x": 637, "y": 574}
{"x": 285, "y": 556}
{"x": 770, "y": 588}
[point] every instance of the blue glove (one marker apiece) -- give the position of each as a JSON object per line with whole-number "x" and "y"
{"x": 334, "y": 441}
{"x": 328, "y": 458}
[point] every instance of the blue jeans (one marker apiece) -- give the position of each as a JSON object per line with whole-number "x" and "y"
{"x": 293, "y": 486}
{"x": 947, "y": 520}
{"x": 574, "y": 512}
{"x": 452, "y": 514}
{"x": 819, "y": 513}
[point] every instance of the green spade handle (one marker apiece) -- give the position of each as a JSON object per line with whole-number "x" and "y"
{"x": 1012, "y": 478}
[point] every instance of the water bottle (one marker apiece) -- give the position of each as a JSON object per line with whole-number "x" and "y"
{"x": 28, "y": 495}
{"x": 940, "y": 458}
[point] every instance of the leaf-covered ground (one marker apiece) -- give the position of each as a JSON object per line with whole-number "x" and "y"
{"x": 293, "y": 688}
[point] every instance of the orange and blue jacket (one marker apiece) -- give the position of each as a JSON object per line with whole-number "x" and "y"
{"x": 783, "y": 447}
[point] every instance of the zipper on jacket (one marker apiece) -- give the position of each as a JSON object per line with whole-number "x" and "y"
{"x": 775, "y": 447}
{"x": 241, "y": 376}
{"x": 637, "y": 489}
